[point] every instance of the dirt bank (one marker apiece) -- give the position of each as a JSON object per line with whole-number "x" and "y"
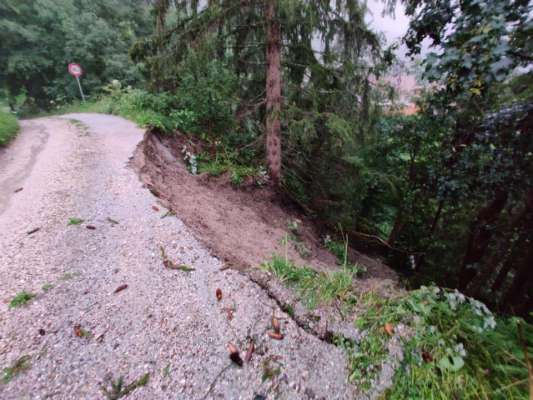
{"x": 242, "y": 226}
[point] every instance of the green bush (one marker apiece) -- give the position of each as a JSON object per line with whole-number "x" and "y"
{"x": 9, "y": 127}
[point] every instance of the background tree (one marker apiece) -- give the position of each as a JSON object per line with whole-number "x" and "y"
{"x": 284, "y": 54}
{"x": 484, "y": 164}
{"x": 39, "y": 39}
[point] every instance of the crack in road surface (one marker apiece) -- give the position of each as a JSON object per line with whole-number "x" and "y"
{"x": 79, "y": 334}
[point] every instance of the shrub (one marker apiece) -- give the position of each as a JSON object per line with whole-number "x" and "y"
{"x": 8, "y": 127}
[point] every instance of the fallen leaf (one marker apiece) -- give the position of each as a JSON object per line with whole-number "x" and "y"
{"x": 234, "y": 354}
{"x": 78, "y": 331}
{"x": 427, "y": 357}
{"x": 112, "y": 221}
{"x": 276, "y": 325}
{"x": 250, "y": 351}
{"x": 121, "y": 288}
{"x": 42, "y": 332}
{"x": 33, "y": 231}
{"x": 275, "y": 335}
{"x": 389, "y": 328}
{"x": 17, "y": 190}
{"x": 155, "y": 208}
{"x": 91, "y": 227}
{"x": 218, "y": 293}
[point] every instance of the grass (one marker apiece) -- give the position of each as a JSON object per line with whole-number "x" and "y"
{"x": 118, "y": 389}
{"x": 75, "y": 221}
{"x": 237, "y": 173}
{"x": 9, "y": 127}
{"x": 314, "y": 288}
{"x": 101, "y": 106}
{"x": 21, "y": 299}
{"x": 19, "y": 366}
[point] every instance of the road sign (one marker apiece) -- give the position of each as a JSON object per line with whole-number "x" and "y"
{"x": 75, "y": 70}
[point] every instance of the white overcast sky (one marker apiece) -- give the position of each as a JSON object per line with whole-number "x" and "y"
{"x": 393, "y": 27}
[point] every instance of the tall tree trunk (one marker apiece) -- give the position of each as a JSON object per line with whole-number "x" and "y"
{"x": 520, "y": 292}
{"x": 273, "y": 92}
{"x": 479, "y": 238}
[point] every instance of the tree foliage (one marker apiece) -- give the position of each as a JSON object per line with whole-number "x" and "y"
{"x": 40, "y": 37}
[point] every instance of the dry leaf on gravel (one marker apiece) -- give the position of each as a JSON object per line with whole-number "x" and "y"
{"x": 275, "y": 335}
{"x": 218, "y": 293}
{"x": 276, "y": 325}
{"x": 91, "y": 227}
{"x": 389, "y": 328}
{"x": 155, "y": 208}
{"x": 121, "y": 288}
{"x": 234, "y": 354}
{"x": 80, "y": 332}
{"x": 249, "y": 351}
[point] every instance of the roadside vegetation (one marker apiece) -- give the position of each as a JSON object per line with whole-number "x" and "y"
{"x": 9, "y": 127}
{"x": 21, "y": 299}
{"x": 453, "y": 346}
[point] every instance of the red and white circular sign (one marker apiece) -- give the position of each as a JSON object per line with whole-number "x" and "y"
{"x": 75, "y": 70}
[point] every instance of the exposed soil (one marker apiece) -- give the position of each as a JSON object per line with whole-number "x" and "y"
{"x": 243, "y": 226}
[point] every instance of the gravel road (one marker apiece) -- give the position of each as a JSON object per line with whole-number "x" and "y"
{"x": 80, "y": 336}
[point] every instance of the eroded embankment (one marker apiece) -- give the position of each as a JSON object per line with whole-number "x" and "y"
{"x": 245, "y": 226}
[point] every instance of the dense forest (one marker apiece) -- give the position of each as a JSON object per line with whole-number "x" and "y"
{"x": 297, "y": 91}
{"x": 39, "y": 38}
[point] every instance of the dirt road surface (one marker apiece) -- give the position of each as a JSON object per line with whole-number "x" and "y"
{"x": 78, "y": 336}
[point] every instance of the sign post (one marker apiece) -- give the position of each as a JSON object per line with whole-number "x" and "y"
{"x": 76, "y": 71}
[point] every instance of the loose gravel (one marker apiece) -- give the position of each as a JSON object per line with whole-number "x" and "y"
{"x": 167, "y": 323}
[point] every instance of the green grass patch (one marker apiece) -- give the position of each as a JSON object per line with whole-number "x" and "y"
{"x": 19, "y": 366}
{"x": 237, "y": 173}
{"x": 118, "y": 389}
{"x": 9, "y": 127}
{"x": 455, "y": 348}
{"x": 21, "y": 299}
{"x": 314, "y": 288}
{"x": 75, "y": 221}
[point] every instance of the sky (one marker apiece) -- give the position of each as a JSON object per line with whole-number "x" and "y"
{"x": 393, "y": 27}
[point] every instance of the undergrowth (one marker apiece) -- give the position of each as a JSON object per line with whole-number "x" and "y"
{"x": 9, "y": 127}
{"x": 453, "y": 346}
{"x": 314, "y": 288}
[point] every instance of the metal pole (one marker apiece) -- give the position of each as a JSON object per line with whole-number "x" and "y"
{"x": 81, "y": 90}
